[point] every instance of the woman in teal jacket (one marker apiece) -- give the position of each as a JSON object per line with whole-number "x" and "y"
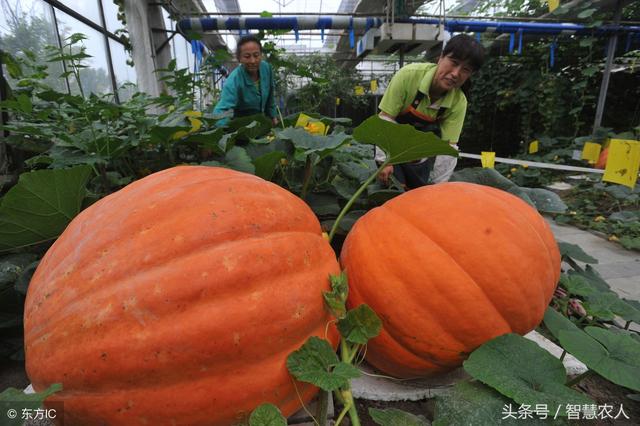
{"x": 249, "y": 89}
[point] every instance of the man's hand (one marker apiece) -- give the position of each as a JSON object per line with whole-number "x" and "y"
{"x": 384, "y": 175}
{"x": 275, "y": 121}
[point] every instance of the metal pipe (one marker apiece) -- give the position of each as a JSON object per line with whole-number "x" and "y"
{"x": 604, "y": 87}
{"x": 378, "y": 15}
{"x": 345, "y": 22}
{"x": 288, "y": 23}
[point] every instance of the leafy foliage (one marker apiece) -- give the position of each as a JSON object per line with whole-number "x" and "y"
{"x": 41, "y": 205}
{"x": 316, "y": 362}
{"x": 395, "y": 417}
{"x": 267, "y": 415}
{"x": 615, "y": 356}
{"x": 520, "y": 369}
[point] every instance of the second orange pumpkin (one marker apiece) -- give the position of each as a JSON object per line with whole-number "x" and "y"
{"x": 448, "y": 267}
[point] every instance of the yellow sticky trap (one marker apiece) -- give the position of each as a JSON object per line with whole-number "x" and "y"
{"x": 359, "y": 90}
{"x": 488, "y": 159}
{"x": 553, "y": 5}
{"x": 303, "y": 120}
{"x": 623, "y": 162}
{"x": 374, "y": 85}
{"x": 534, "y": 146}
{"x": 337, "y": 101}
{"x": 591, "y": 152}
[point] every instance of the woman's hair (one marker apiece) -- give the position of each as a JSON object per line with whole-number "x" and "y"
{"x": 465, "y": 48}
{"x": 247, "y": 39}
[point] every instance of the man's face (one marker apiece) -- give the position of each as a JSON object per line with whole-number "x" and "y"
{"x": 250, "y": 56}
{"x": 451, "y": 73}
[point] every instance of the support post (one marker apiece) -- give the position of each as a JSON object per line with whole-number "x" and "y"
{"x": 604, "y": 87}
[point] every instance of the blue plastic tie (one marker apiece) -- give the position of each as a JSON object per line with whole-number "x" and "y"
{"x": 512, "y": 41}
{"x": 520, "y": 42}
{"x": 352, "y": 36}
{"x": 478, "y": 37}
{"x": 552, "y": 54}
{"x": 196, "y": 49}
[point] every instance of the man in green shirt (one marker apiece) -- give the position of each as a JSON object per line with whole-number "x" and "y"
{"x": 430, "y": 98}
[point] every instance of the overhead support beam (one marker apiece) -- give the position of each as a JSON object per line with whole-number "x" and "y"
{"x": 281, "y": 23}
{"x": 200, "y": 25}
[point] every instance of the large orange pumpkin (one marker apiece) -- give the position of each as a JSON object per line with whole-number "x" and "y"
{"x": 177, "y": 300}
{"x": 448, "y": 267}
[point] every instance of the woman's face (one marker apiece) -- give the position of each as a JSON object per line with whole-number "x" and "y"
{"x": 250, "y": 56}
{"x": 451, "y": 73}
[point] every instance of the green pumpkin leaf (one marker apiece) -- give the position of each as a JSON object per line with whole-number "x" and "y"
{"x": 266, "y": 164}
{"x": 395, "y": 417}
{"x": 317, "y": 363}
{"x": 401, "y": 142}
{"x": 345, "y": 187}
{"x": 606, "y": 305}
{"x": 323, "y": 204}
{"x": 630, "y": 243}
{"x": 615, "y": 356}
{"x": 360, "y": 325}
{"x": 41, "y": 206}
{"x": 17, "y": 400}
{"x": 267, "y": 415}
{"x": 307, "y": 143}
{"x": 490, "y": 177}
{"x": 472, "y": 403}
{"x": 577, "y": 285}
{"x": 575, "y": 252}
{"x": 208, "y": 139}
{"x": 226, "y": 142}
{"x": 238, "y": 159}
{"x": 625, "y": 216}
{"x": 593, "y": 277}
{"x": 555, "y": 322}
{"x": 379, "y": 197}
{"x": 545, "y": 201}
{"x": 336, "y": 299}
{"x": 251, "y": 126}
{"x": 520, "y": 369}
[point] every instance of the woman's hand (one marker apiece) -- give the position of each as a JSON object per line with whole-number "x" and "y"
{"x": 385, "y": 174}
{"x": 275, "y": 121}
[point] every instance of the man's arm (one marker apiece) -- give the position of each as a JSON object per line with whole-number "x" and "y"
{"x": 380, "y": 156}
{"x": 451, "y": 128}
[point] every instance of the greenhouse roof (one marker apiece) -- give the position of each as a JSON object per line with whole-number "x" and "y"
{"x": 308, "y": 41}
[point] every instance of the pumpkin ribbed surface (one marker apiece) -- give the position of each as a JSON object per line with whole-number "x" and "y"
{"x": 177, "y": 299}
{"x": 448, "y": 267}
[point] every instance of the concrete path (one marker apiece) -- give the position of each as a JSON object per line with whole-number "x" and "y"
{"x": 620, "y": 268}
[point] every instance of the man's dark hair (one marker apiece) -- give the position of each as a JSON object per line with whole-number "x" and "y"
{"x": 465, "y": 48}
{"x": 247, "y": 39}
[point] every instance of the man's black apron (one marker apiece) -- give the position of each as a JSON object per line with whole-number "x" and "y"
{"x": 416, "y": 174}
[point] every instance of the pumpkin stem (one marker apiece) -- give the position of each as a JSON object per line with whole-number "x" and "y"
{"x": 353, "y": 199}
{"x": 323, "y": 406}
{"x": 308, "y": 172}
